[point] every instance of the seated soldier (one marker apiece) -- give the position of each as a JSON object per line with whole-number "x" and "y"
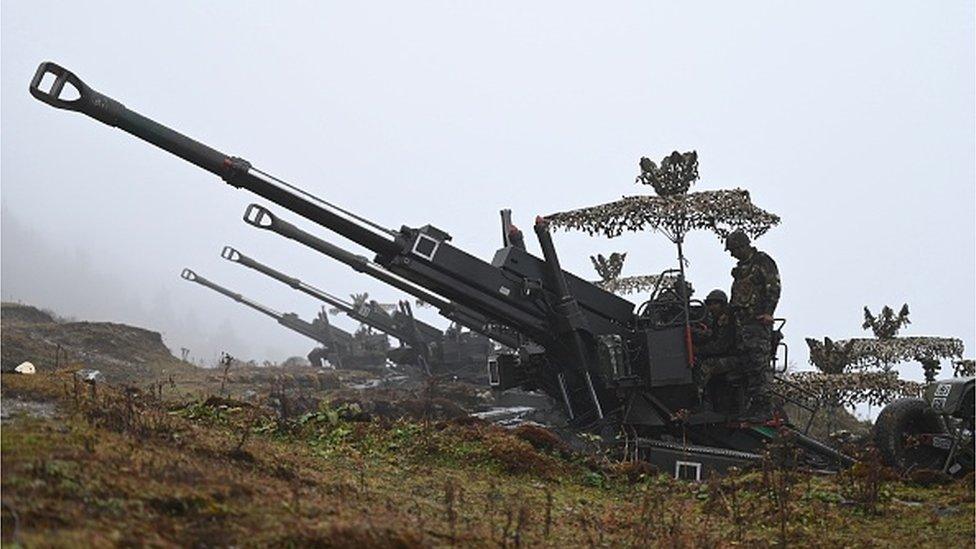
{"x": 714, "y": 341}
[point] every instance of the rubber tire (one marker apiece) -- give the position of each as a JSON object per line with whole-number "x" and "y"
{"x": 907, "y": 416}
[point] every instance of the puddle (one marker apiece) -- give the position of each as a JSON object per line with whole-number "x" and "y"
{"x": 11, "y": 408}
{"x": 378, "y": 382}
{"x": 506, "y": 416}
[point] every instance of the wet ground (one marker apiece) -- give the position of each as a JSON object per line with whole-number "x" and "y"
{"x": 11, "y": 408}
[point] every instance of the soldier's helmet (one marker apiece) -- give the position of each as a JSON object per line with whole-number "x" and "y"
{"x": 736, "y": 239}
{"x": 717, "y": 295}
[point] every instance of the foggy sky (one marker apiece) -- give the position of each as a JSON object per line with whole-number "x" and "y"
{"x": 852, "y": 121}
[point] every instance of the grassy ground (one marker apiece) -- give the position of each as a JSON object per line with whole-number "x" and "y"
{"x": 115, "y": 467}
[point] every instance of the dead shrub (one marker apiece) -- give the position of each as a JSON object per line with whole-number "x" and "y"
{"x": 342, "y": 535}
{"x": 864, "y": 482}
{"x": 540, "y": 438}
{"x": 129, "y": 411}
{"x": 928, "y": 477}
{"x": 518, "y": 456}
{"x": 631, "y": 471}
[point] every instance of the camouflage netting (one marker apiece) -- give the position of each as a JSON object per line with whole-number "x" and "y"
{"x": 674, "y": 211}
{"x": 964, "y": 368}
{"x": 609, "y": 269}
{"x": 636, "y": 284}
{"x": 676, "y": 174}
{"x": 838, "y": 356}
{"x": 846, "y": 389}
{"x": 886, "y": 325}
{"x": 885, "y": 352}
{"x": 720, "y": 211}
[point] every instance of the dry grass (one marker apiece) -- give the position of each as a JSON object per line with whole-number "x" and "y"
{"x": 118, "y": 467}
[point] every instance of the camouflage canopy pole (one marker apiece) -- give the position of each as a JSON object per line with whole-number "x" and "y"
{"x": 673, "y": 212}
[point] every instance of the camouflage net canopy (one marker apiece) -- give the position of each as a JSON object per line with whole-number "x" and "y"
{"x": 720, "y": 211}
{"x": 674, "y": 211}
{"x": 964, "y": 368}
{"x": 886, "y": 349}
{"x": 846, "y": 389}
{"x": 834, "y": 357}
{"x": 637, "y": 284}
{"x": 883, "y": 353}
{"x": 609, "y": 269}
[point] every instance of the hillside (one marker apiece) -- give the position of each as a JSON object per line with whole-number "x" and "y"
{"x": 173, "y": 455}
{"x": 122, "y": 353}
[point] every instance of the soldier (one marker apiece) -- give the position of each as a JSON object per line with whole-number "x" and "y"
{"x": 715, "y": 347}
{"x": 755, "y": 293}
{"x": 717, "y": 338}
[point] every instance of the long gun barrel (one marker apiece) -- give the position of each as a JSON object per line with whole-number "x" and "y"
{"x": 288, "y": 320}
{"x": 235, "y": 171}
{"x": 423, "y": 256}
{"x": 366, "y": 314}
{"x": 262, "y": 218}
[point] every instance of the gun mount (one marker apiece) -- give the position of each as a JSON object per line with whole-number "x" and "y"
{"x": 613, "y": 369}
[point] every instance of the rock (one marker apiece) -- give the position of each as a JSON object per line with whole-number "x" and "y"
{"x": 26, "y": 368}
{"x": 88, "y": 375}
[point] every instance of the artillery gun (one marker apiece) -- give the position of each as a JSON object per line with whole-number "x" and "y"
{"x": 336, "y": 343}
{"x": 615, "y": 368}
{"x": 421, "y": 344}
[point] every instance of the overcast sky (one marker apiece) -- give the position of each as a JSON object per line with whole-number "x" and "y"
{"x": 854, "y": 121}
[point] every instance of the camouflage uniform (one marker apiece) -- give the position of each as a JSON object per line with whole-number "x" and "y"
{"x": 715, "y": 348}
{"x": 718, "y": 338}
{"x": 755, "y": 292}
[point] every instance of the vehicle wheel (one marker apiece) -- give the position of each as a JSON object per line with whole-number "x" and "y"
{"x": 900, "y": 420}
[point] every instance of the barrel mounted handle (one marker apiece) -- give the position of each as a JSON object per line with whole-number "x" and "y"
{"x": 187, "y": 274}
{"x": 230, "y": 254}
{"x": 89, "y": 101}
{"x": 259, "y": 216}
{"x": 53, "y": 95}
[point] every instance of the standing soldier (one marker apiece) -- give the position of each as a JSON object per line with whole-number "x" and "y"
{"x": 755, "y": 293}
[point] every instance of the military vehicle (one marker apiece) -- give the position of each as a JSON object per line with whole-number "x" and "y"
{"x": 615, "y": 367}
{"x": 422, "y": 345}
{"x": 932, "y": 432}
